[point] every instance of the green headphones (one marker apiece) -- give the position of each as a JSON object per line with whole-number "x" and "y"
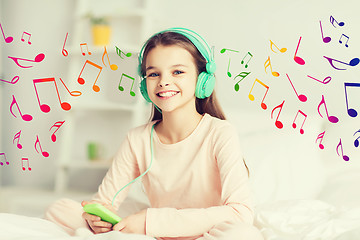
{"x": 206, "y": 80}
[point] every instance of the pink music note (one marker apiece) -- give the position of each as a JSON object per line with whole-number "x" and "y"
{"x": 332, "y": 20}
{"x": 119, "y": 53}
{"x": 13, "y": 81}
{"x": 22, "y": 37}
{"x": 278, "y": 124}
{"x": 346, "y": 158}
{"x": 268, "y": 64}
{"x": 346, "y": 44}
{"x": 112, "y": 66}
{"x": 242, "y": 75}
{"x": 301, "y": 97}
{"x": 132, "y": 93}
{"x": 72, "y": 93}
{"x": 353, "y": 62}
{"x": 298, "y": 59}
{"x": 282, "y": 50}
{"x": 45, "y": 154}
{"x": 28, "y": 164}
{"x": 356, "y": 142}
{"x": 44, "y": 107}
{"x": 325, "y": 39}
{"x": 250, "y": 57}
{"x": 320, "y": 136}
{"x": 57, "y": 125}
{"x": 7, "y": 39}
{"x": 251, "y": 96}
{"x": 17, "y": 136}
{"x": 352, "y": 112}
{"x": 96, "y": 88}
{"x": 325, "y": 81}
{"x": 87, "y": 49}
{"x": 25, "y": 117}
{"x": 332, "y": 119}
{"x": 1, "y": 162}
{"x": 294, "y": 124}
{"x": 64, "y": 52}
{"x": 38, "y": 59}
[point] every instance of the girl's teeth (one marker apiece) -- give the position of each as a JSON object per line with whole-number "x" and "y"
{"x": 167, "y": 94}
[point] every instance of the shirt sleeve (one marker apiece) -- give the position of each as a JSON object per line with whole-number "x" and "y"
{"x": 235, "y": 195}
{"x": 124, "y": 168}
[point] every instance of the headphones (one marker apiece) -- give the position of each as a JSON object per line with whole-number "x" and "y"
{"x": 206, "y": 80}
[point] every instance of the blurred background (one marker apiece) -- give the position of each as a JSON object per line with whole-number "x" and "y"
{"x": 66, "y": 148}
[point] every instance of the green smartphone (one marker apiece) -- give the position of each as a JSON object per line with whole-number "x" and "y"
{"x": 101, "y": 211}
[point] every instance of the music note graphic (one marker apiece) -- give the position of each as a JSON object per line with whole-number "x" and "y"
{"x": 87, "y": 48}
{"x": 321, "y": 137}
{"x": 301, "y": 97}
{"x": 294, "y": 124}
{"x": 226, "y": 49}
{"x": 346, "y": 158}
{"x": 13, "y": 81}
{"x": 298, "y": 59}
{"x": 119, "y": 53}
{"x": 353, "y": 62}
{"x": 57, "y": 125}
{"x": 17, "y": 136}
{"x": 250, "y": 57}
{"x": 38, "y": 59}
{"x": 228, "y": 69}
{"x": 242, "y": 75}
{"x": 7, "y": 39}
{"x": 22, "y": 164}
{"x": 352, "y": 112}
{"x": 45, "y": 154}
{"x": 325, "y": 81}
{"x": 72, "y": 93}
{"x": 1, "y": 162}
{"x": 22, "y": 37}
{"x": 112, "y": 66}
{"x": 267, "y": 64}
{"x": 251, "y": 96}
{"x": 356, "y": 142}
{"x": 96, "y": 88}
{"x": 332, "y": 20}
{"x": 325, "y": 39}
{"x": 122, "y": 89}
{"x": 332, "y": 119}
{"x": 278, "y": 124}
{"x": 346, "y": 45}
{"x": 282, "y": 50}
{"x": 25, "y": 117}
{"x": 44, "y": 107}
{"x": 64, "y": 51}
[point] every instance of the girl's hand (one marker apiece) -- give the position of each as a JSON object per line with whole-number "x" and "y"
{"x": 132, "y": 224}
{"x": 94, "y": 222}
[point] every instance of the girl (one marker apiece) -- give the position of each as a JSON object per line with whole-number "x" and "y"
{"x": 188, "y": 154}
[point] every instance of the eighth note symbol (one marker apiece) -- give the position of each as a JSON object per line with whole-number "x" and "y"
{"x": 356, "y": 142}
{"x": 45, "y": 154}
{"x": 17, "y": 136}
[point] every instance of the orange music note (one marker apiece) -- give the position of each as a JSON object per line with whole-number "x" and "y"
{"x": 37, "y": 59}
{"x": 25, "y": 117}
{"x": 7, "y": 39}
{"x": 267, "y": 64}
{"x": 87, "y": 49}
{"x": 13, "y": 81}
{"x": 57, "y": 125}
{"x": 45, "y": 154}
{"x": 346, "y": 158}
{"x": 298, "y": 59}
{"x": 64, "y": 52}
{"x": 112, "y": 66}
{"x": 301, "y": 97}
{"x": 119, "y": 53}
{"x": 250, "y": 57}
{"x": 22, "y": 37}
{"x": 294, "y": 124}
{"x": 22, "y": 164}
{"x": 17, "y": 136}
{"x": 242, "y": 75}
{"x": 282, "y": 50}
{"x": 332, "y": 119}
{"x": 278, "y": 124}
{"x": 133, "y": 80}
{"x": 1, "y": 162}
{"x": 320, "y": 136}
{"x": 44, "y": 107}
{"x": 72, "y": 93}
{"x": 96, "y": 88}
{"x": 251, "y": 97}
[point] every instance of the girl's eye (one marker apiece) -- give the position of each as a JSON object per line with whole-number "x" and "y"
{"x": 153, "y": 75}
{"x": 178, "y": 72}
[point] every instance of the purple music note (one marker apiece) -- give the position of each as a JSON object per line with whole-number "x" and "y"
{"x": 353, "y": 62}
{"x": 346, "y": 158}
{"x": 356, "y": 142}
{"x": 352, "y": 112}
{"x": 332, "y": 119}
{"x": 325, "y": 39}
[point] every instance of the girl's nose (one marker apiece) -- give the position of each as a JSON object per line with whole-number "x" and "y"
{"x": 164, "y": 81}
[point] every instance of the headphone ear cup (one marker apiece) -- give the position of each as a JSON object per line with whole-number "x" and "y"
{"x": 143, "y": 90}
{"x": 205, "y": 85}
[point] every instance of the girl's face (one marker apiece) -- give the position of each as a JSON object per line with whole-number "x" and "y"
{"x": 171, "y": 77}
